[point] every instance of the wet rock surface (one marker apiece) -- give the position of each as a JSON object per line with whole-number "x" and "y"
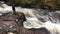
{"x": 35, "y": 31}
{"x": 9, "y": 25}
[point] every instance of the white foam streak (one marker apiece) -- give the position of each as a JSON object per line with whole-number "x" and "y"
{"x": 32, "y": 20}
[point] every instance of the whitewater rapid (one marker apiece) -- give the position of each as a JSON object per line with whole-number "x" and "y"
{"x": 38, "y": 18}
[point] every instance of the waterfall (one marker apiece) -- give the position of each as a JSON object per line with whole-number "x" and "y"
{"x": 38, "y": 18}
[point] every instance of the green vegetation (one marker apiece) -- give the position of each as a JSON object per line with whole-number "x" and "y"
{"x": 31, "y": 3}
{"x": 58, "y": 4}
{"x": 23, "y": 2}
{"x": 53, "y": 4}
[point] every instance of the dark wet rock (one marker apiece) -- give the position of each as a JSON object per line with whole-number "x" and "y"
{"x": 42, "y": 31}
{"x": 34, "y": 31}
{"x": 10, "y": 22}
{"x": 10, "y": 26}
{"x": 12, "y": 33}
{"x": 21, "y": 18}
{"x": 2, "y": 31}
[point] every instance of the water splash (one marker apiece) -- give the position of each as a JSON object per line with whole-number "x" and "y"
{"x": 38, "y": 18}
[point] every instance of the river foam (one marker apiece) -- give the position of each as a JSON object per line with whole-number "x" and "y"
{"x": 38, "y": 18}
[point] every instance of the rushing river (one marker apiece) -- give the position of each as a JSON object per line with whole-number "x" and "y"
{"x": 38, "y": 18}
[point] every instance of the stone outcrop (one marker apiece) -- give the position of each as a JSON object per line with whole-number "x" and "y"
{"x": 11, "y": 23}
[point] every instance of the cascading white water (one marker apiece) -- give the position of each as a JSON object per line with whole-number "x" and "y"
{"x": 38, "y": 18}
